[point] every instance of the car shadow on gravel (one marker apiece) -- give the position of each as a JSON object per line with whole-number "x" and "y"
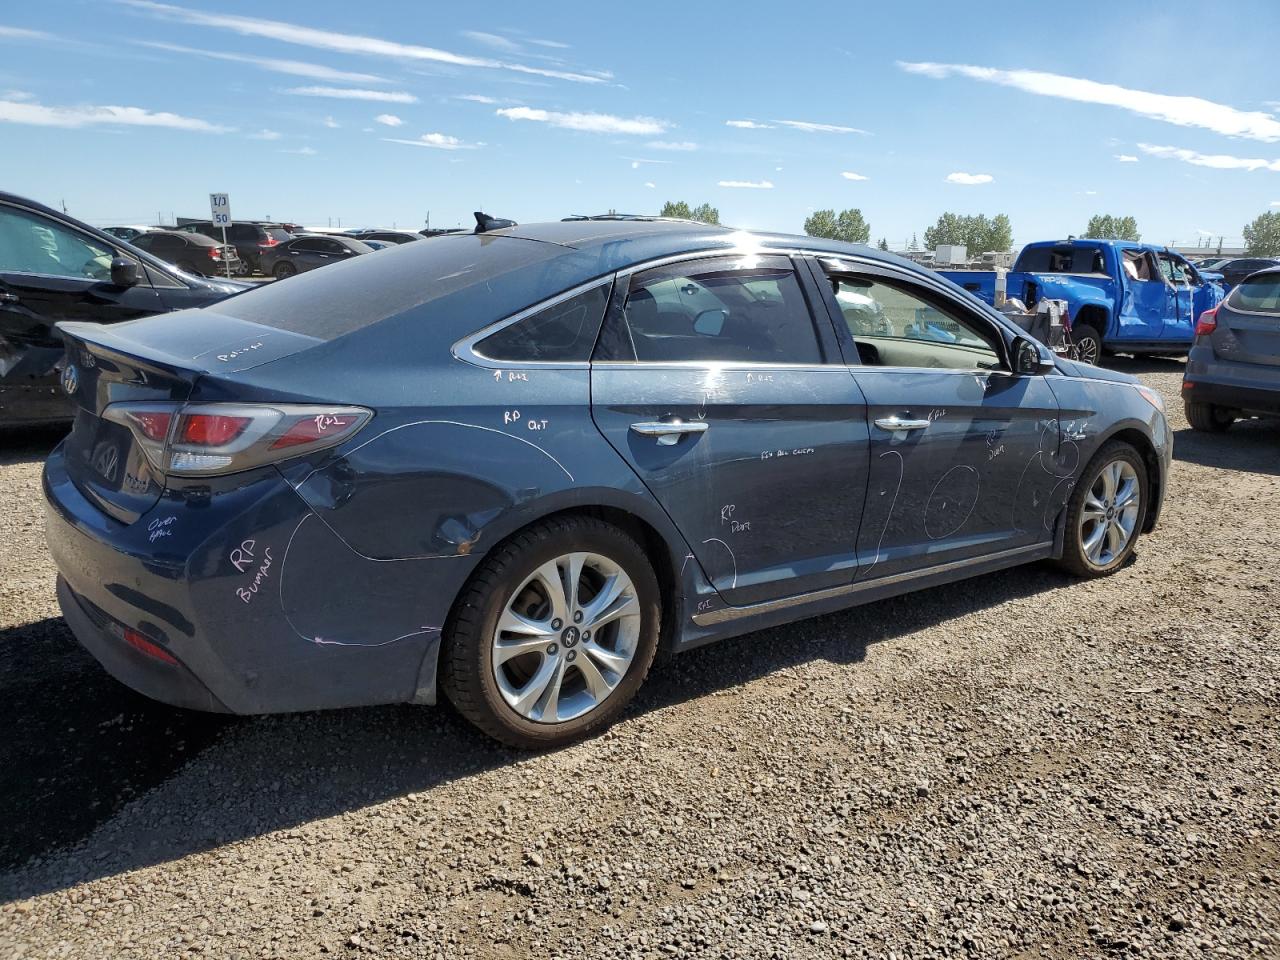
{"x": 20, "y": 446}
{"x": 1136, "y": 365}
{"x": 87, "y": 752}
{"x": 1251, "y": 446}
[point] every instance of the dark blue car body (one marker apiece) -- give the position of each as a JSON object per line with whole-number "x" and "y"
{"x": 329, "y": 579}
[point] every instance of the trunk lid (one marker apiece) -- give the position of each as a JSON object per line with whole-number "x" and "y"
{"x": 153, "y": 359}
{"x": 1248, "y": 329}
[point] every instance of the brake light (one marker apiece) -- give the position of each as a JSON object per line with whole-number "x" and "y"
{"x": 269, "y": 242}
{"x": 213, "y": 253}
{"x": 206, "y": 430}
{"x": 206, "y": 439}
{"x": 1208, "y": 322}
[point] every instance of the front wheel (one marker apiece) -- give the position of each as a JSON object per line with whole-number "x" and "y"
{"x": 283, "y": 271}
{"x": 1088, "y": 345}
{"x": 1106, "y": 511}
{"x": 554, "y": 634}
{"x": 1207, "y": 417}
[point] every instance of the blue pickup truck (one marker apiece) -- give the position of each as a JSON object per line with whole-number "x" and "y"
{"x": 1122, "y": 297}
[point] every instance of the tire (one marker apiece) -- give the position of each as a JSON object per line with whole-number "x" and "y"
{"x": 1090, "y": 506}
{"x": 283, "y": 271}
{"x": 1088, "y": 345}
{"x": 1207, "y": 417}
{"x": 502, "y": 695}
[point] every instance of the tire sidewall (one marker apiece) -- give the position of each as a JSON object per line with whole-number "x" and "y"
{"x": 1109, "y": 453}
{"x": 597, "y": 538}
{"x": 1085, "y": 331}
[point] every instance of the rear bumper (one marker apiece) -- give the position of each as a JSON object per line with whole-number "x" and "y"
{"x": 1233, "y": 395}
{"x": 304, "y": 624}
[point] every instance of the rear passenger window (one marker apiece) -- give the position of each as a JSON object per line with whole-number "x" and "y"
{"x": 748, "y": 310}
{"x": 563, "y": 332}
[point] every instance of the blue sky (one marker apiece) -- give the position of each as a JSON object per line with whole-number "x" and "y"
{"x": 376, "y": 113}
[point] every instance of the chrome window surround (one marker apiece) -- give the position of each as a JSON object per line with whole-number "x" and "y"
{"x": 465, "y": 349}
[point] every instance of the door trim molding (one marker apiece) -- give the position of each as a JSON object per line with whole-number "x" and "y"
{"x": 725, "y": 614}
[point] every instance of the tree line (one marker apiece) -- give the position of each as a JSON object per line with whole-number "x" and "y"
{"x": 979, "y": 233}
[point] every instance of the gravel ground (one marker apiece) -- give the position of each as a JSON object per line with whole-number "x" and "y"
{"x": 1021, "y": 766}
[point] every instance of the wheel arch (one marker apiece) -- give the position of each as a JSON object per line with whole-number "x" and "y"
{"x": 1094, "y": 315}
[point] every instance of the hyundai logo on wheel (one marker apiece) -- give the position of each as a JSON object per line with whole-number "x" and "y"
{"x": 70, "y": 379}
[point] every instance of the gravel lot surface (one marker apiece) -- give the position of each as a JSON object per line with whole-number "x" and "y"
{"x": 1019, "y": 766}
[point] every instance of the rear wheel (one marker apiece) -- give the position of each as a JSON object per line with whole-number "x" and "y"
{"x": 1088, "y": 345}
{"x": 1106, "y": 511}
{"x": 554, "y": 634}
{"x": 282, "y": 271}
{"x": 1208, "y": 417}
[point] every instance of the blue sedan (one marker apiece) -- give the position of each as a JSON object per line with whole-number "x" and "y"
{"x": 513, "y": 467}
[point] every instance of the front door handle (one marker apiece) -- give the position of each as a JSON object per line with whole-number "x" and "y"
{"x": 896, "y": 423}
{"x": 6, "y": 297}
{"x": 669, "y": 433}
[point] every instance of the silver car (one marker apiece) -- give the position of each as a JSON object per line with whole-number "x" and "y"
{"x": 1233, "y": 369}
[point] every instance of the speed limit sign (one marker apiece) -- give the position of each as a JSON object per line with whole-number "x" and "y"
{"x": 220, "y": 209}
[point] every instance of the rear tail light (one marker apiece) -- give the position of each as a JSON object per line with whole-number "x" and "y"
{"x": 269, "y": 242}
{"x": 1208, "y": 322}
{"x": 206, "y": 439}
{"x": 213, "y": 253}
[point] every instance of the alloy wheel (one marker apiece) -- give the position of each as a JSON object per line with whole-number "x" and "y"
{"x": 1087, "y": 351}
{"x": 566, "y": 637}
{"x": 1109, "y": 518}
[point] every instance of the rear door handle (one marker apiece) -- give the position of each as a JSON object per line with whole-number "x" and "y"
{"x": 896, "y": 423}
{"x": 669, "y": 433}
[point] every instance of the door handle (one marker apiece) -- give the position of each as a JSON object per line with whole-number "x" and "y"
{"x": 669, "y": 433}
{"x": 896, "y": 423}
{"x": 6, "y": 297}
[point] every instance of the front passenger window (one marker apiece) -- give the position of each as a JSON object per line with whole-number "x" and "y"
{"x": 31, "y": 244}
{"x": 894, "y": 326}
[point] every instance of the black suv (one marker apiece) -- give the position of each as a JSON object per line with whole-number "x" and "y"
{"x": 251, "y": 240}
{"x": 53, "y": 268}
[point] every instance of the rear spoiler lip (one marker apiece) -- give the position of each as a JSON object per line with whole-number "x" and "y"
{"x": 215, "y": 343}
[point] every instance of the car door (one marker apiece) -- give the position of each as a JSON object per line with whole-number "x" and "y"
{"x": 965, "y": 455}
{"x": 1180, "y": 323}
{"x": 712, "y": 380}
{"x": 1147, "y": 298}
{"x": 49, "y": 272}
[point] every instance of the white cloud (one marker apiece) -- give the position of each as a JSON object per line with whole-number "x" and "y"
{"x": 295, "y": 68}
{"x": 265, "y": 135}
{"x": 19, "y": 96}
{"x": 969, "y": 179}
{"x": 748, "y": 125}
{"x": 651, "y": 185}
{"x": 302, "y": 151}
{"x": 1090, "y": 193}
{"x": 438, "y": 141}
{"x": 37, "y": 115}
{"x": 342, "y": 42}
{"x": 20, "y": 33}
{"x": 389, "y": 120}
{"x": 1216, "y": 161}
{"x": 553, "y": 44}
{"x": 353, "y": 93}
{"x": 476, "y": 98}
{"x": 1182, "y": 111}
{"x": 1126, "y": 158}
{"x": 810, "y": 127}
{"x": 588, "y": 122}
{"x": 1275, "y": 203}
{"x": 492, "y": 40}
{"x": 746, "y": 184}
{"x": 850, "y": 175}
{"x": 682, "y": 146}
{"x": 637, "y": 161}
{"x": 331, "y": 123}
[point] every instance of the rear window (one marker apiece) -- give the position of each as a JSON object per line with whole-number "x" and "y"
{"x": 1257, "y": 294}
{"x": 279, "y": 235}
{"x": 466, "y": 281}
{"x": 1061, "y": 260}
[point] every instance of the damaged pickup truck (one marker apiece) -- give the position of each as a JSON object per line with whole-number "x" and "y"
{"x": 1121, "y": 297}
{"x": 53, "y": 268}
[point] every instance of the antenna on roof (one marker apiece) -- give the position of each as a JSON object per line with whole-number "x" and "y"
{"x": 485, "y": 223}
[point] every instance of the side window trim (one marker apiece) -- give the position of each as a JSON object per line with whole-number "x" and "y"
{"x": 929, "y": 291}
{"x": 465, "y": 349}
{"x": 788, "y": 260}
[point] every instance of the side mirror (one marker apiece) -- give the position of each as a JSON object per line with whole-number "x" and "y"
{"x": 1031, "y": 359}
{"x": 124, "y": 272}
